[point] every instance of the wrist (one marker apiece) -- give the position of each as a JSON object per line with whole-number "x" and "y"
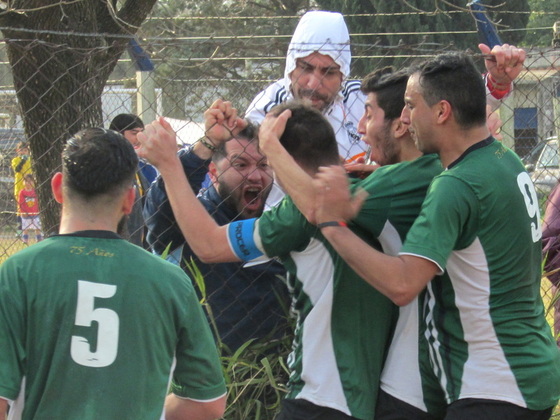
{"x": 498, "y": 89}
{"x": 332, "y": 223}
{"x": 206, "y": 142}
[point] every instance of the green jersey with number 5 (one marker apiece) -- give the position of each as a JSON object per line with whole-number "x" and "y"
{"x": 484, "y": 317}
{"x": 93, "y": 327}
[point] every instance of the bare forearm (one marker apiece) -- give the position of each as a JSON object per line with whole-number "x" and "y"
{"x": 206, "y": 238}
{"x": 3, "y": 408}
{"x": 294, "y": 180}
{"x": 398, "y": 278}
{"x": 183, "y": 409}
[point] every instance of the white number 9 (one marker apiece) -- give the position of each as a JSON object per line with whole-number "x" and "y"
{"x": 531, "y": 203}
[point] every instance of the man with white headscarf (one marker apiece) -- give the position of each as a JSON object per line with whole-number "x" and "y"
{"x": 317, "y": 69}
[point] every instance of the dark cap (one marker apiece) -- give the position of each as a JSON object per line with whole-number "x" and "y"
{"x": 123, "y": 122}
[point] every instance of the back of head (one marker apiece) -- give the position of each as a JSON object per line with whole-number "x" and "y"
{"x": 308, "y": 136}
{"x": 389, "y": 87}
{"x": 455, "y": 79}
{"x": 323, "y": 32}
{"x": 97, "y": 162}
{"x": 123, "y": 122}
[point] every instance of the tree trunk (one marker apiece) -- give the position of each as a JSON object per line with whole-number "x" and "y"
{"x": 61, "y": 56}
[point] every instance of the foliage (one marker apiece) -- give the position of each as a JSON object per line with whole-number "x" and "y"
{"x": 211, "y": 37}
{"x": 255, "y": 373}
{"x": 420, "y": 26}
{"x": 544, "y": 14}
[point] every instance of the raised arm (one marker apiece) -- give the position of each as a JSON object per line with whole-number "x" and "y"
{"x": 503, "y": 65}
{"x": 291, "y": 177}
{"x": 208, "y": 241}
{"x": 400, "y": 278}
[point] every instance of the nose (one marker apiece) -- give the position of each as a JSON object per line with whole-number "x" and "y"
{"x": 362, "y": 125}
{"x": 255, "y": 174}
{"x": 314, "y": 80}
{"x": 405, "y": 115}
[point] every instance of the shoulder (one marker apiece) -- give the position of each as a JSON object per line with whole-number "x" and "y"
{"x": 274, "y": 94}
{"x": 352, "y": 89}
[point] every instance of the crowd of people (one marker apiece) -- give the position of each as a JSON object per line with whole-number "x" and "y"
{"x": 404, "y": 237}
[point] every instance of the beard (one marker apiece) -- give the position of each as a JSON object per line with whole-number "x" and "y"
{"x": 233, "y": 198}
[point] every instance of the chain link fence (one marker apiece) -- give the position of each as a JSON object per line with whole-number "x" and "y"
{"x": 191, "y": 71}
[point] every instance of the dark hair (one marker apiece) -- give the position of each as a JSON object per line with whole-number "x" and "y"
{"x": 248, "y": 133}
{"x": 454, "y": 78}
{"x": 389, "y": 87}
{"x": 96, "y": 161}
{"x": 123, "y": 122}
{"x": 308, "y": 136}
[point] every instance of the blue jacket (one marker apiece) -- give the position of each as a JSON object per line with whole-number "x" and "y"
{"x": 246, "y": 302}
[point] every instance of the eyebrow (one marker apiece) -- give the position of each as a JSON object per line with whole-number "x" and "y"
{"x": 334, "y": 66}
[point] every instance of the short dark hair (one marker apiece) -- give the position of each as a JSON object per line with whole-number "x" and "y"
{"x": 454, "y": 78}
{"x": 123, "y": 122}
{"x": 308, "y": 136}
{"x": 389, "y": 87}
{"x": 96, "y": 161}
{"x": 250, "y": 133}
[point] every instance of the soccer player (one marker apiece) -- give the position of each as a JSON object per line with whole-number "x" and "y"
{"x": 93, "y": 327}
{"x": 475, "y": 247}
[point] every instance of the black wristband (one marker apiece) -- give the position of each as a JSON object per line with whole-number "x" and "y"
{"x": 207, "y": 144}
{"x": 333, "y": 223}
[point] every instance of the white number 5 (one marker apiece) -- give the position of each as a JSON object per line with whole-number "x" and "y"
{"x": 107, "y": 326}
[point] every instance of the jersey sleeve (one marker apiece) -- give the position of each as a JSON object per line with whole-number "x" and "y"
{"x": 198, "y": 373}
{"x": 444, "y": 222}
{"x": 12, "y": 332}
{"x": 276, "y": 233}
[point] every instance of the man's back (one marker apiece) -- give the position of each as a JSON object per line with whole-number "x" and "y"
{"x": 97, "y": 327}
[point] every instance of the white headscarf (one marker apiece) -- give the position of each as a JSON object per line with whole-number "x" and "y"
{"x": 322, "y": 32}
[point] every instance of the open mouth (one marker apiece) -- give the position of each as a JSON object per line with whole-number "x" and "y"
{"x": 252, "y": 197}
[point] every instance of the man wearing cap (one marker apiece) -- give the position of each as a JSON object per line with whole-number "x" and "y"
{"x": 129, "y": 125}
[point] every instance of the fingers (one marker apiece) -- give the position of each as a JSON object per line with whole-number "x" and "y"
{"x": 508, "y": 62}
{"x": 484, "y": 49}
{"x": 221, "y": 121}
{"x": 272, "y": 129}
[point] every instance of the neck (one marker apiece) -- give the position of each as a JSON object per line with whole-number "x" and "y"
{"x": 409, "y": 151}
{"x": 72, "y": 221}
{"x": 459, "y": 142}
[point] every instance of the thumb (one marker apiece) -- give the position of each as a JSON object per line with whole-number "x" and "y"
{"x": 357, "y": 200}
{"x": 484, "y": 49}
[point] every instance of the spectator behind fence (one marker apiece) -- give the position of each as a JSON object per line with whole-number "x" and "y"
{"x": 317, "y": 68}
{"x": 343, "y": 324}
{"x": 21, "y": 165}
{"x": 478, "y": 234}
{"x": 29, "y": 208}
{"x": 551, "y": 251}
{"x": 129, "y": 125}
{"x": 93, "y": 327}
{"x": 247, "y": 302}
